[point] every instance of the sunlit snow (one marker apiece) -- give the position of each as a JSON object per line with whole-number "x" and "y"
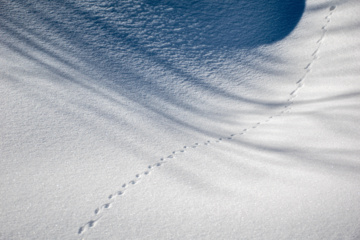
{"x": 141, "y": 119}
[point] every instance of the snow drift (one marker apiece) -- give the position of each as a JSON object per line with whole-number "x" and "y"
{"x": 173, "y": 120}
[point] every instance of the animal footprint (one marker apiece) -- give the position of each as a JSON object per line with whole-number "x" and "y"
{"x": 320, "y": 39}
{"x": 103, "y": 207}
{"x": 300, "y": 80}
{"x": 308, "y": 66}
{"x": 295, "y": 91}
{"x": 231, "y": 136}
{"x": 315, "y": 52}
{"x": 89, "y": 224}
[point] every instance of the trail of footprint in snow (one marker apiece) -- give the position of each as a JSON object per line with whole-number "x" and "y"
{"x": 92, "y": 223}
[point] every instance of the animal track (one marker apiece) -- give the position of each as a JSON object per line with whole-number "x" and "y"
{"x": 102, "y": 208}
{"x": 150, "y": 168}
{"x": 89, "y": 224}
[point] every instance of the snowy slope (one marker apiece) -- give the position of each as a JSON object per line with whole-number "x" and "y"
{"x": 126, "y": 120}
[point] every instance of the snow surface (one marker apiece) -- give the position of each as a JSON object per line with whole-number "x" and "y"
{"x": 180, "y": 120}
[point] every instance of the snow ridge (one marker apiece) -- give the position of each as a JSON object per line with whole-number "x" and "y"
{"x": 150, "y": 168}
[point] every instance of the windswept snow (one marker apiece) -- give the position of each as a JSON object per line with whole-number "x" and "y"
{"x": 180, "y": 120}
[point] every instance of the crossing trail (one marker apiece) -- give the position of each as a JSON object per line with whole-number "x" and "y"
{"x": 138, "y": 177}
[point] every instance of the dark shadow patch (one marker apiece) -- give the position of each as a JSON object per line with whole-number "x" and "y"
{"x": 231, "y": 24}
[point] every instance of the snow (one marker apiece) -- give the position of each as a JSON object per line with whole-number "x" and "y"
{"x": 144, "y": 120}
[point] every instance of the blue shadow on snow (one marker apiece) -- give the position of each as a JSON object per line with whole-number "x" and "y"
{"x": 231, "y": 24}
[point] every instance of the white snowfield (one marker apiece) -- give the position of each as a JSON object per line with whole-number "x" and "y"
{"x": 141, "y": 119}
